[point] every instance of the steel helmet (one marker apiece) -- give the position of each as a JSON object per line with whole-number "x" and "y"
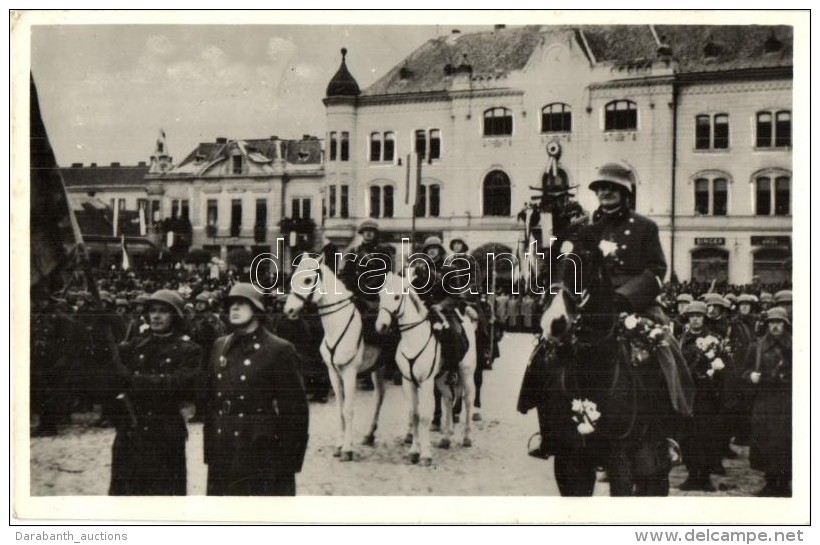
{"x": 432, "y": 241}
{"x": 246, "y": 291}
{"x": 695, "y": 307}
{"x": 614, "y": 173}
{"x": 716, "y": 299}
{"x": 778, "y": 313}
{"x": 461, "y": 240}
{"x": 783, "y": 296}
{"x": 170, "y": 298}
{"x": 368, "y": 224}
{"x": 747, "y": 298}
{"x": 684, "y": 298}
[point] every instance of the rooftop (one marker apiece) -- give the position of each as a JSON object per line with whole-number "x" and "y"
{"x": 101, "y": 176}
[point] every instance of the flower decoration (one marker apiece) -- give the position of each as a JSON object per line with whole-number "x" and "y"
{"x": 715, "y": 351}
{"x": 642, "y": 334}
{"x": 585, "y": 415}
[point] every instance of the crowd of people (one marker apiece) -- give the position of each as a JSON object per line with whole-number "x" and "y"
{"x": 141, "y": 342}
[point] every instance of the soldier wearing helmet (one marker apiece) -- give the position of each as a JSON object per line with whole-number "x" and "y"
{"x": 256, "y": 427}
{"x": 158, "y": 373}
{"x": 783, "y": 299}
{"x": 769, "y": 374}
{"x": 364, "y": 273}
{"x": 629, "y": 242}
{"x": 702, "y": 441}
{"x": 206, "y": 327}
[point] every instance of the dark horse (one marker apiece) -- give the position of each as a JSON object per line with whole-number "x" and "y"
{"x": 639, "y": 397}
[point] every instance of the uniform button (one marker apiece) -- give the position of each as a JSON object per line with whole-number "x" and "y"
{"x": 219, "y": 375}
{"x": 242, "y": 396}
{"x": 219, "y": 430}
{"x": 136, "y": 373}
{"x": 241, "y": 415}
{"x": 167, "y": 360}
{"x": 621, "y": 262}
{"x": 145, "y": 428}
{"x": 256, "y": 346}
{"x": 150, "y": 413}
{"x": 219, "y": 394}
{"x": 627, "y": 232}
{"x": 220, "y": 413}
{"x": 623, "y": 246}
{"x": 631, "y": 220}
{"x": 142, "y": 356}
{"x": 247, "y": 362}
{"x": 241, "y": 377}
{"x": 162, "y": 375}
{"x": 236, "y": 434}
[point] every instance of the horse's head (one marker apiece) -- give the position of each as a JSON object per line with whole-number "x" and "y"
{"x": 391, "y": 301}
{"x": 305, "y": 286}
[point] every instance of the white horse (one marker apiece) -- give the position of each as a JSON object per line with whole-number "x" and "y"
{"x": 419, "y": 359}
{"x": 343, "y": 348}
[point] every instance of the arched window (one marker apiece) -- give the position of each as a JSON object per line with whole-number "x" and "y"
{"x": 711, "y": 194}
{"x": 710, "y": 264}
{"x": 621, "y": 115}
{"x": 428, "y": 202}
{"x": 497, "y": 194}
{"x": 773, "y": 129}
{"x": 389, "y": 146}
{"x": 375, "y": 201}
{"x": 498, "y": 122}
{"x": 375, "y": 146}
{"x": 772, "y": 190}
{"x": 381, "y": 201}
{"x": 556, "y": 117}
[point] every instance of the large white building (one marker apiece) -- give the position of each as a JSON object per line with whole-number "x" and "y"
{"x": 702, "y": 113}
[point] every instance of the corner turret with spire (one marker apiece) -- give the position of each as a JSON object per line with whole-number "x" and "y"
{"x": 342, "y": 84}
{"x": 161, "y": 161}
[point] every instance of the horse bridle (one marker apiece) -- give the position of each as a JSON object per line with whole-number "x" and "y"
{"x": 394, "y": 316}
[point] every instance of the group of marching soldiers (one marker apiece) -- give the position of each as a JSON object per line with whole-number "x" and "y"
{"x": 739, "y": 352}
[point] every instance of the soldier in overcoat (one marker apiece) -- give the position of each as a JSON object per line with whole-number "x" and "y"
{"x": 256, "y": 430}
{"x": 158, "y": 373}
{"x": 768, "y": 370}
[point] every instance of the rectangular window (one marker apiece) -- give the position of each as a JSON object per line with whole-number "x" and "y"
{"x": 498, "y": 122}
{"x": 435, "y": 144}
{"x": 421, "y": 202}
{"x": 155, "y": 212}
{"x": 375, "y": 147}
{"x": 237, "y": 164}
{"x": 435, "y": 200}
{"x": 306, "y": 208}
{"x": 174, "y": 209}
{"x": 721, "y": 131}
{"x": 763, "y": 196}
{"x": 344, "y": 152}
{"x": 332, "y": 150}
{"x": 184, "y": 209}
{"x": 783, "y": 130}
{"x": 375, "y": 201}
{"x": 621, "y": 115}
{"x": 389, "y": 146}
{"x": 702, "y": 197}
{"x": 236, "y": 217}
{"x": 295, "y": 208}
{"x": 332, "y": 201}
{"x": 344, "y": 210}
{"x": 388, "y": 201}
{"x": 121, "y": 204}
{"x": 556, "y": 118}
{"x": 781, "y": 196}
{"x": 702, "y": 132}
{"x": 211, "y": 215}
{"x": 764, "y": 130}
{"x": 261, "y": 213}
{"x": 720, "y": 197}
{"x": 421, "y": 144}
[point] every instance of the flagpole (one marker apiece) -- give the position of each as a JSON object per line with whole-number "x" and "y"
{"x": 415, "y": 201}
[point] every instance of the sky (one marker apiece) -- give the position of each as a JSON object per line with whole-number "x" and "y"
{"x": 107, "y": 90}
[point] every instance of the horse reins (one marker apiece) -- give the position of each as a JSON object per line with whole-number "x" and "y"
{"x": 407, "y": 327}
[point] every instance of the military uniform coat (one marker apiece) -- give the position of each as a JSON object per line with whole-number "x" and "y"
{"x": 632, "y": 254}
{"x": 771, "y": 445}
{"x": 148, "y": 456}
{"x": 256, "y": 431}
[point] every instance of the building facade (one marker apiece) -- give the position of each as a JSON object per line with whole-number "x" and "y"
{"x": 702, "y": 114}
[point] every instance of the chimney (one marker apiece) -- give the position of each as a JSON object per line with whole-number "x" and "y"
{"x": 76, "y": 165}
{"x": 93, "y": 165}
{"x": 141, "y": 164}
{"x": 274, "y": 137}
{"x": 455, "y": 31}
{"x": 115, "y": 164}
{"x": 221, "y": 140}
{"x": 305, "y": 137}
{"x": 500, "y": 27}
{"x": 664, "y": 49}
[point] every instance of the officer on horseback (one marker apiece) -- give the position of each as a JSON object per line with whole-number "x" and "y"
{"x": 628, "y": 241}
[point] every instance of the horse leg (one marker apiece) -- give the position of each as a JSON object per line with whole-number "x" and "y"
{"x": 574, "y": 474}
{"x": 423, "y": 415}
{"x": 446, "y": 411}
{"x": 379, "y": 390}
{"x": 468, "y": 395}
{"x": 411, "y": 396}
{"x": 339, "y": 394}
{"x": 348, "y": 375}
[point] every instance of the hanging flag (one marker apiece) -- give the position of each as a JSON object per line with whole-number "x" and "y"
{"x": 143, "y": 225}
{"x": 170, "y": 239}
{"x": 54, "y": 232}
{"x": 409, "y": 196}
{"x": 116, "y": 222}
{"x": 126, "y": 262}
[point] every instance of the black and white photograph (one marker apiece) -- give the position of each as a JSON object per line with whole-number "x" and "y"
{"x": 411, "y": 261}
